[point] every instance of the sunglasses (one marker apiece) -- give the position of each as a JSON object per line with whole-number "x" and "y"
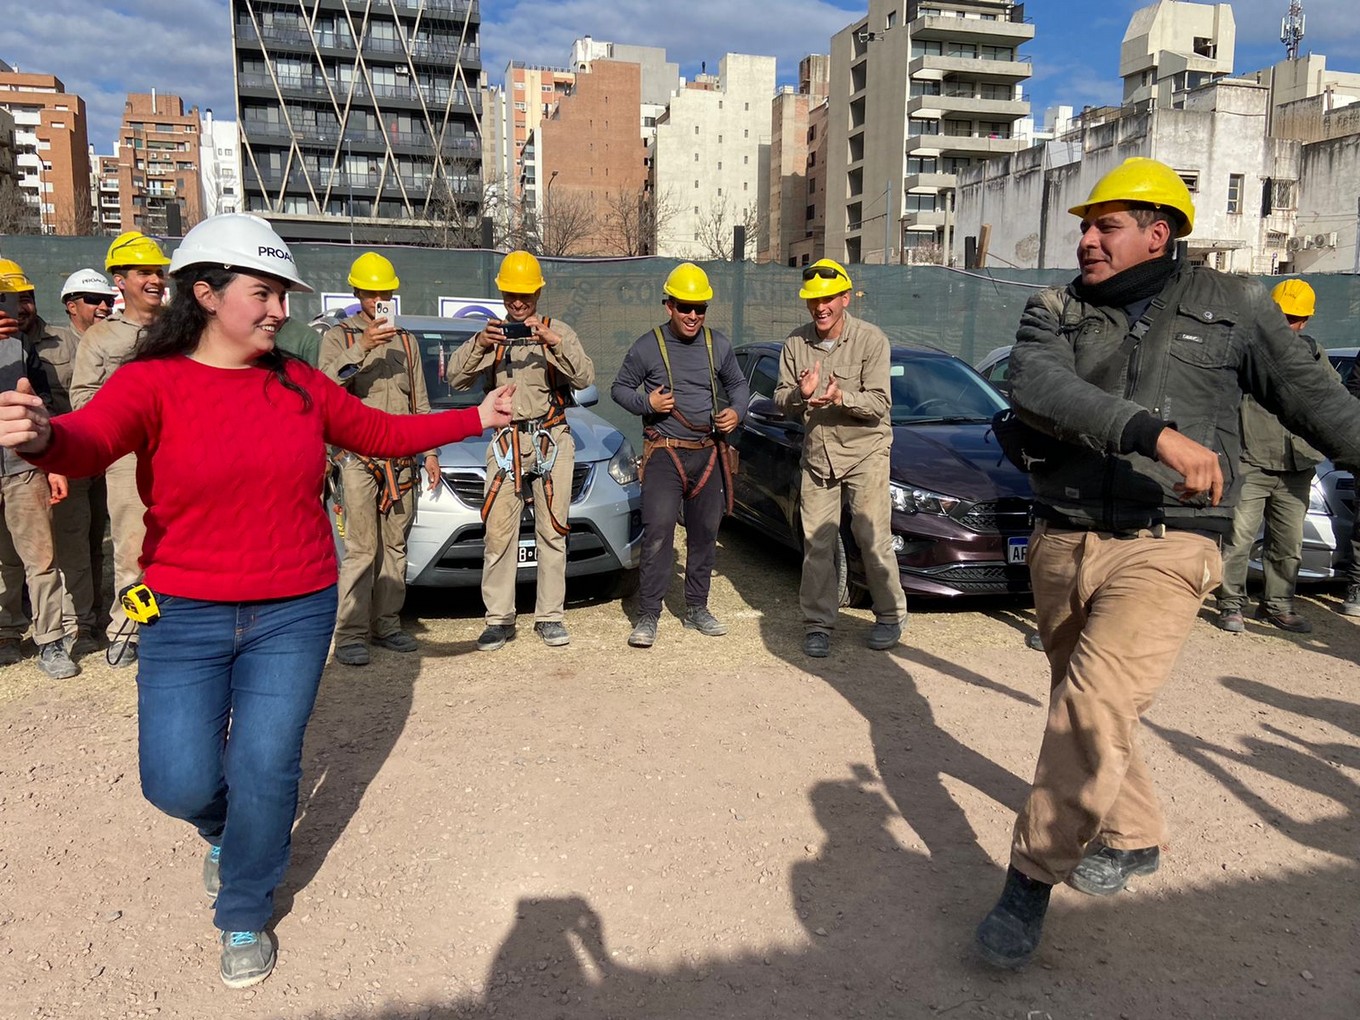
{"x": 686, "y": 308}
{"x": 825, "y": 272}
{"x": 97, "y": 299}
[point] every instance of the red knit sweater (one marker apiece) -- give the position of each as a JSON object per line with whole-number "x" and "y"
{"x": 231, "y": 465}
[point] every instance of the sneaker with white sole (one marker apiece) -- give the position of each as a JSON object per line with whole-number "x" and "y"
{"x": 212, "y": 872}
{"x": 247, "y": 958}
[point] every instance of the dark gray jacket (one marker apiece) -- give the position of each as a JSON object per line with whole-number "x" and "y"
{"x": 1221, "y": 339}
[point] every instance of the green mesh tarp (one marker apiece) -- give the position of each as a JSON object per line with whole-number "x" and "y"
{"x": 612, "y": 302}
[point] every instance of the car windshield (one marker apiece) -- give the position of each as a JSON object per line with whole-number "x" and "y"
{"x": 930, "y": 389}
{"x": 436, "y": 348}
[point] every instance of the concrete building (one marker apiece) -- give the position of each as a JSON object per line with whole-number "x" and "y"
{"x": 15, "y": 211}
{"x": 159, "y": 187}
{"x": 51, "y": 149}
{"x": 595, "y": 198}
{"x": 108, "y": 208}
{"x": 929, "y": 88}
{"x": 511, "y": 118}
{"x": 1171, "y": 47}
{"x": 797, "y": 206}
{"x": 1324, "y": 238}
{"x": 710, "y": 160}
{"x": 220, "y": 162}
{"x": 371, "y": 135}
{"x": 1304, "y": 77}
{"x": 1243, "y": 183}
{"x": 660, "y": 77}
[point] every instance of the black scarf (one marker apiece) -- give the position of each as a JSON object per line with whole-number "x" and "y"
{"x": 1137, "y": 283}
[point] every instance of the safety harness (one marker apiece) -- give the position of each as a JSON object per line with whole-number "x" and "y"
{"x": 507, "y": 445}
{"x": 385, "y": 472}
{"x": 721, "y": 454}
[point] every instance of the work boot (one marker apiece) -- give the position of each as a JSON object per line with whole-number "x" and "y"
{"x": 644, "y": 631}
{"x": 553, "y": 632}
{"x": 495, "y": 636}
{"x": 352, "y": 655}
{"x": 53, "y": 660}
{"x": 121, "y": 654}
{"x": 1009, "y": 936}
{"x": 247, "y": 958}
{"x": 9, "y": 652}
{"x": 817, "y": 644}
{"x": 1230, "y": 620}
{"x": 1105, "y": 871}
{"x": 1286, "y": 620}
{"x": 212, "y": 872}
{"x": 1351, "y": 607}
{"x": 883, "y": 636}
{"x": 79, "y": 644}
{"x": 397, "y": 641}
{"x": 700, "y": 619}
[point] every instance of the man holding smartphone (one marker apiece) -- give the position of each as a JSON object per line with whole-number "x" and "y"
{"x": 379, "y": 363}
{"x": 534, "y": 457}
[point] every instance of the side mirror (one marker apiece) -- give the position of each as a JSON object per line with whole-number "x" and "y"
{"x": 765, "y": 409}
{"x": 588, "y": 397}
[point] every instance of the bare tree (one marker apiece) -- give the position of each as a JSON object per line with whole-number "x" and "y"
{"x": 17, "y": 214}
{"x": 568, "y": 223}
{"x": 715, "y": 229}
{"x": 454, "y": 208}
{"x": 633, "y": 219}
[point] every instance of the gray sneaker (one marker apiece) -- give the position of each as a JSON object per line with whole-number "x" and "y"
{"x": 352, "y": 655}
{"x": 817, "y": 644}
{"x": 53, "y": 660}
{"x": 212, "y": 872}
{"x": 553, "y": 632}
{"x": 883, "y": 636}
{"x": 121, "y": 654}
{"x": 247, "y": 958}
{"x": 644, "y": 631}
{"x": 700, "y": 619}
{"x": 1351, "y": 607}
{"x": 495, "y": 636}
{"x": 397, "y": 641}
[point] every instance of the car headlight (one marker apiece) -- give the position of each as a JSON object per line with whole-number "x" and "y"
{"x": 623, "y": 465}
{"x": 921, "y": 501}
{"x": 1317, "y": 499}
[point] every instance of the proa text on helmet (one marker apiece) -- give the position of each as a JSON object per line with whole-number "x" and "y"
{"x": 274, "y": 252}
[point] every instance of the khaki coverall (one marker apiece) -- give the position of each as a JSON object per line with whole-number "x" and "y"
{"x": 528, "y": 368}
{"x": 847, "y": 451}
{"x": 79, "y": 520}
{"x": 105, "y": 346}
{"x": 373, "y": 572}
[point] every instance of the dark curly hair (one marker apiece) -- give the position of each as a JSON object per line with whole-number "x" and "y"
{"x": 178, "y": 328}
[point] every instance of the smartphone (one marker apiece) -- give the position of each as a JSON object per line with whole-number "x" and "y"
{"x": 516, "y": 331}
{"x": 385, "y": 310}
{"x": 9, "y": 303}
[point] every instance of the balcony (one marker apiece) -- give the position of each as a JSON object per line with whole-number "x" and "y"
{"x": 917, "y": 220}
{"x": 990, "y": 33}
{"x": 928, "y": 182}
{"x": 935, "y": 145}
{"x": 998, "y": 109}
{"x": 973, "y": 67}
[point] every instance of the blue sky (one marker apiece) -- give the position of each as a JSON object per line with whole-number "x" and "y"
{"x": 184, "y": 47}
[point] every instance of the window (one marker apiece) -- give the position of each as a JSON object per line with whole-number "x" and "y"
{"x": 997, "y": 52}
{"x": 922, "y": 164}
{"x": 1235, "y": 182}
{"x": 923, "y": 126}
{"x": 892, "y": 19}
{"x": 920, "y": 203}
{"x": 811, "y": 212}
{"x": 747, "y": 106}
{"x": 812, "y": 159}
{"x": 928, "y": 48}
{"x": 1190, "y": 178}
{"x": 696, "y": 157}
{"x": 764, "y": 377}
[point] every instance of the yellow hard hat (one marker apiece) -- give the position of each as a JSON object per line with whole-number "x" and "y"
{"x": 1139, "y": 179}
{"x": 687, "y": 282}
{"x": 371, "y": 271}
{"x": 12, "y": 278}
{"x": 520, "y": 273}
{"x": 1295, "y": 298}
{"x": 824, "y": 278}
{"x": 133, "y": 248}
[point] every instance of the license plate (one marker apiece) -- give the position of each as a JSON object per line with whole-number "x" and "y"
{"x": 1017, "y": 550}
{"x": 528, "y": 554}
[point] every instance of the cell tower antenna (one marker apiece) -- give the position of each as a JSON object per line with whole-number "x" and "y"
{"x": 1291, "y": 29}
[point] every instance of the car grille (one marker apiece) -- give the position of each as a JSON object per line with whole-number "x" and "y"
{"x": 982, "y": 578}
{"x": 1008, "y": 516}
{"x": 470, "y": 485}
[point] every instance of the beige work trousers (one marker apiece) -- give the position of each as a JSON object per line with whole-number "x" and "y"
{"x": 1113, "y": 614}
{"x": 127, "y": 521}
{"x": 373, "y": 572}
{"x": 500, "y": 564}
{"x": 71, "y": 523}
{"x": 864, "y": 491}
{"x": 26, "y": 552}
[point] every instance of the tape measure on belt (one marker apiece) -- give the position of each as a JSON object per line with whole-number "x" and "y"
{"x": 139, "y": 602}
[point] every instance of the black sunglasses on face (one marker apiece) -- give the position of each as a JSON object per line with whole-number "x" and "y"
{"x": 685, "y": 308}
{"x": 825, "y": 272}
{"x": 97, "y": 299}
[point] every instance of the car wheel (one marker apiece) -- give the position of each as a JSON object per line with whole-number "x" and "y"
{"x": 849, "y": 594}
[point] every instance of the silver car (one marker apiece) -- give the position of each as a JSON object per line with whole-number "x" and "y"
{"x": 1331, "y": 505}
{"x": 445, "y": 545}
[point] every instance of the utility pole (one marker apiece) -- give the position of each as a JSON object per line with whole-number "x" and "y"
{"x": 1291, "y": 29}
{"x": 887, "y": 221}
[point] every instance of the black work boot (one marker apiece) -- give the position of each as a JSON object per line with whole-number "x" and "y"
{"x": 1105, "y": 871}
{"x": 1009, "y": 936}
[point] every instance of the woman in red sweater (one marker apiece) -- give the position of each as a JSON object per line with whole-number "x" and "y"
{"x": 230, "y": 436}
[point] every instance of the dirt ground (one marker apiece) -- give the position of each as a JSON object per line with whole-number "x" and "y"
{"x": 712, "y": 828}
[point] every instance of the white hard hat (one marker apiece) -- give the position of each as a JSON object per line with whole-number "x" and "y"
{"x": 87, "y": 281}
{"x": 238, "y": 241}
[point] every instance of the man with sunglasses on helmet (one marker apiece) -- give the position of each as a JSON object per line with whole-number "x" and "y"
{"x": 834, "y": 377}
{"x": 670, "y": 377}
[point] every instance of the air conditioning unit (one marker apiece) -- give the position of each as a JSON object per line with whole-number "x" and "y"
{"x": 1293, "y": 244}
{"x": 1320, "y": 241}
{"x": 1331, "y": 239}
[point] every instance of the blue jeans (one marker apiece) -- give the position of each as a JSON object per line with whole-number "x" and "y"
{"x": 224, "y": 692}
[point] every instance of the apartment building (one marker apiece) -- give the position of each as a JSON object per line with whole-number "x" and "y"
{"x": 918, "y": 92}
{"x": 797, "y": 206}
{"x": 710, "y": 160}
{"x": 51, "y": 149}
{"x": 1172, "y": 47}
{"x": 361, "y": 120}
{"x": 159, "y": 188}
{"x": 220, "y": 161}
{"x": 104, "y": 197}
